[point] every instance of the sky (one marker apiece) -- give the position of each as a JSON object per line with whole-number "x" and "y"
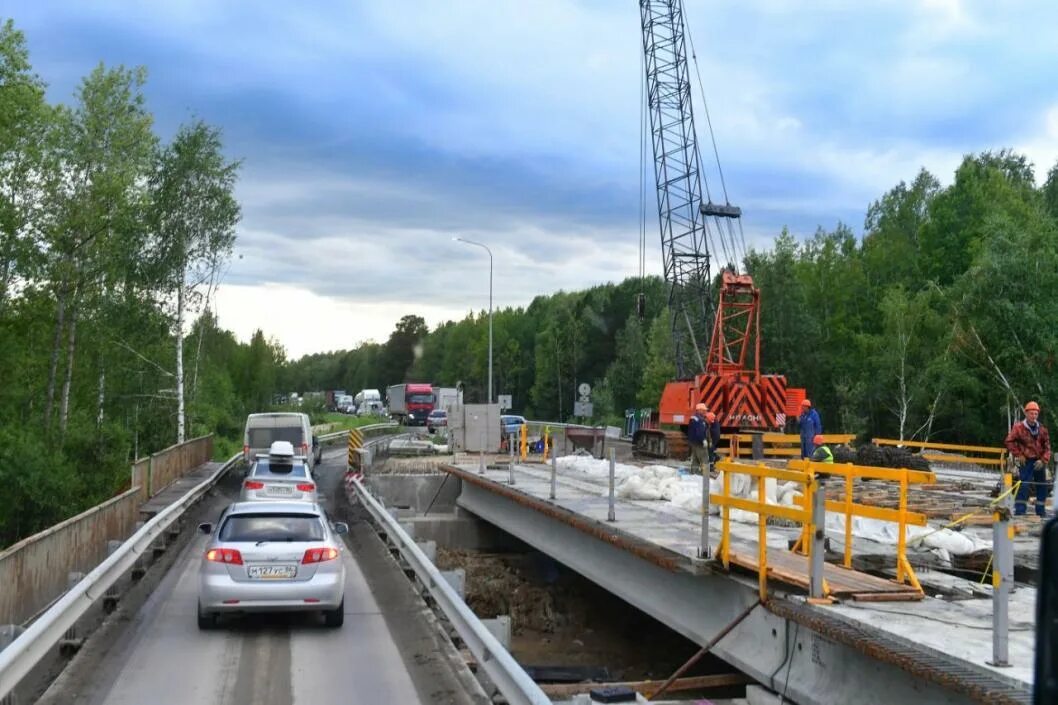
{"x": 372, "y": 134}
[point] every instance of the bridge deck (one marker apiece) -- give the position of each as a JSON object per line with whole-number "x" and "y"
{"x": 178, "y": 489}
{"x": 956, "y": 631}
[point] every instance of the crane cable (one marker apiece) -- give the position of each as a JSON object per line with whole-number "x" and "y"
{"x": 739, "y": 254}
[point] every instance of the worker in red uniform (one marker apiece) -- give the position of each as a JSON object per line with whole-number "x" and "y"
{"x": 1030, "y": 444}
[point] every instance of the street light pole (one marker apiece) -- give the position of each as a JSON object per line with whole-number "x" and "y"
{"x": 486, "y": 248}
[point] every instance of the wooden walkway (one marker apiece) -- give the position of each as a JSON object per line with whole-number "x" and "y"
{"x": 792, "y": 569}
{"x": 177, "y": 489}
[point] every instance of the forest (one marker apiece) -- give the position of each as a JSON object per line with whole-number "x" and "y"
{"x": 935, "y": 321}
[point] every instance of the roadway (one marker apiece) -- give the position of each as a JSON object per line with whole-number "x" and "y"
{"x": 162, "y": 658}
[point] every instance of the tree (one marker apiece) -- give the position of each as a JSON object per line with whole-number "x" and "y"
{"x": 402, "y": 348}
{"x": 194, "y": 214}
{"x": 660, "y": 366}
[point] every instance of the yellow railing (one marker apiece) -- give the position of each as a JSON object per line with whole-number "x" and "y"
{"x": 760, "y": 506}
{"x": 976, "y": 455}
{"x": 901, "y": 515}
{"x": 777, "y": 445}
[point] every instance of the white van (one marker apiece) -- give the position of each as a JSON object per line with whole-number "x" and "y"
{"x": 262, "y": 430}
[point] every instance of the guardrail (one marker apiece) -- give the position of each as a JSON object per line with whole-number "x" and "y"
{"x": 501, "y": 668}
{"x": 33, "y": 644}
{"x": 369, "y": 429}
{"x": 901, "y": 516}
{"x": 988, "y": 456}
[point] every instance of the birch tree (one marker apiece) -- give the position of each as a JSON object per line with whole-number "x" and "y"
{"x": 195, "y": 214}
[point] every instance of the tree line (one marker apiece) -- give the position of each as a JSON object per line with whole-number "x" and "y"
{"x": 112, "y": 240}
{"x": 936, "y": 323}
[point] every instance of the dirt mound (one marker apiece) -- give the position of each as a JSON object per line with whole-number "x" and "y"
{"x": 494, "y": 586}
{"x": 880, "y": 456}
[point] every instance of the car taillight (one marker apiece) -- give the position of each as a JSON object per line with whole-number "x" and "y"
{"x": 306, "y": 487}
{"x": 319, "y": 555}
{"x": 246, "y": 451}
{"x": 253, "y": 485}
{"x": 305, "y": 449}
{"x": 224, "y": 555}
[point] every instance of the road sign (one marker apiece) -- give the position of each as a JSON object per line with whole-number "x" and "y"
{"x": 505, "y": 402}
{"x": 582, "y": 408}
{"x": 584, "y": 389}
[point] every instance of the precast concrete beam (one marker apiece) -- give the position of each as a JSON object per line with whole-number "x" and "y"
{"x": 811, "y": 665}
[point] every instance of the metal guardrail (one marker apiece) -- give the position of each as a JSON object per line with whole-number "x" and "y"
{"x": 509, "y": 677}
{"x": 370, "y": 428}
{"x": 32, "y": 645}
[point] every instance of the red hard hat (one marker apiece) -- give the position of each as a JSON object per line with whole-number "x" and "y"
{"x": 806, "y": 403}
{"x": 1032, "y": 406}
{"x": 817, "y": 440}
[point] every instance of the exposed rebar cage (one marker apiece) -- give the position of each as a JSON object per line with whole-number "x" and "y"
{"x": 685, "y": 250}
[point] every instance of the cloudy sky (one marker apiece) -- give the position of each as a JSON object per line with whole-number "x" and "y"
{"x": 374, "y": 132}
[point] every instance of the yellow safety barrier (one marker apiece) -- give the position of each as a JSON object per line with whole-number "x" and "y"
{"x": 760, "y": 506}
{"x": 901, "y": 516}
{"x": 995, "y": 456}
{"x": 356, "y": 441}
{"x": 777, "y": 445}
{"x": 524, "y": 440}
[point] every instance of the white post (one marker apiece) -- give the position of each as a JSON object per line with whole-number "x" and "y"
{"x": 819, "y": 536}
{"x": 703, "y": 541}
{"x": 1002, "y": 581}
{"x": 554, "y": 472}
{"x": 611, "y": 516}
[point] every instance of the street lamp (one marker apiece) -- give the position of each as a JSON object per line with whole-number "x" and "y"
{"x": 486, "y": 248}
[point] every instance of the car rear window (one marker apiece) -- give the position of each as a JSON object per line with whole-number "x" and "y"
{"x": 264, "y": 437}
{"x": 272, "y": 527}
{"x": 266, "y": 468}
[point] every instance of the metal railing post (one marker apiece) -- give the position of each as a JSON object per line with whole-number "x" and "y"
{"x": 1002, "y": 579}
{"x": 703, "y": 541}
{"x": 554, "y": 473}
{"x": 762, "y": 538}
{"x": 510, "y": 479}
{"x": 610, "y": 515}
{"x": 819, "y": 535}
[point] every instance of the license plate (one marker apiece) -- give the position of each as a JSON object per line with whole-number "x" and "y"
{"x": 272, "y": 572}
{"x": 280, "y": 489}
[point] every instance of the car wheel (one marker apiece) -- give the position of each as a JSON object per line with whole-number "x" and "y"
{"x": 335, "y": 618}
{"x": 206, "y": 620}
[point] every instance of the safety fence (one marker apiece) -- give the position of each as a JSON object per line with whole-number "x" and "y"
{"x": 901, "y": 516}
{"x": 986, "y": 456}
{"x": 810, "y": 511}
{"x": 774, "y": 445}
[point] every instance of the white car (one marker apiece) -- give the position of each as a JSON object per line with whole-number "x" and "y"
{"x": 279, "y": 476}
{"x": 272, "y": 557}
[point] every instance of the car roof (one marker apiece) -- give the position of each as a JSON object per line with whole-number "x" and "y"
{"x": 275, "y": 508}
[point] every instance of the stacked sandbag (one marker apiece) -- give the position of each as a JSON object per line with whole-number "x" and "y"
{"x": 879, "y": 456}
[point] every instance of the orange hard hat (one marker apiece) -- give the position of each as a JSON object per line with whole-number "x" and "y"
{"x": 817, "y": 440}
{"x": 1032, "y": 406}
{"x": 702, "y": 408}
{"x": 806, "y": 403}
{"x": 710, "y": 416}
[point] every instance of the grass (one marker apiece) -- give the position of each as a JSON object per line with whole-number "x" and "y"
{"x": 342, "y": 422}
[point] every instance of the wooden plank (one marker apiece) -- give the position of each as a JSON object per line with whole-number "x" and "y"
{"x": 720, "y": 680}
{"x": 911, "y": 596}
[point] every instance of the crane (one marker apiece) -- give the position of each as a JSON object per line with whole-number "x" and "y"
{"x": 728, "y": 379}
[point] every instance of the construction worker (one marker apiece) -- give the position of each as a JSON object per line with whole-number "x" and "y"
{"x": 811, "y": 426}
{"x": 697, "y": 438}
{"x": 822, "y": 452}
{"x": 714, "y": 436}
{"x": 1030, "y": 444}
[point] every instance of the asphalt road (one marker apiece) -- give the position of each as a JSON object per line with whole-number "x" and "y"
{"x": 161, "y": 657}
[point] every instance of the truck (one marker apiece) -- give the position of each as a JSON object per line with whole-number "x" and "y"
{"x": 368, "y": 402}
{"x": 410, "y": 403}
{"x": 445, "y": 397}
{"x": 331, "y": 398}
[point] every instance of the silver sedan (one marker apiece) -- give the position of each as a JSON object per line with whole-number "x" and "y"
{"x": 271, "y": 479}
{"x": 272, "y": 557}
